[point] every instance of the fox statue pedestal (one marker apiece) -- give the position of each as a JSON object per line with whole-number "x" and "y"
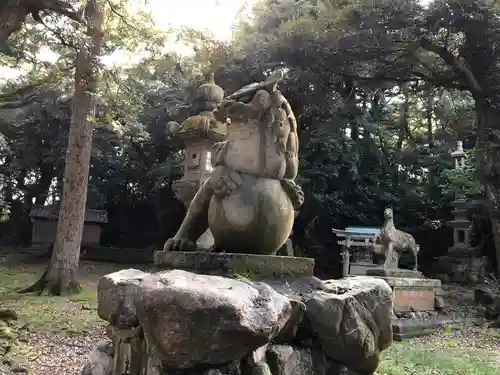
{"x": 411, "y": 291}
{"x": 416, "y": 301}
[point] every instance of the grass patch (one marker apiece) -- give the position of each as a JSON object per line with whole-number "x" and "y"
{"x": 243, "y": 274}
{"x": 74, "y": 314}
{"x": 445, "y": 356}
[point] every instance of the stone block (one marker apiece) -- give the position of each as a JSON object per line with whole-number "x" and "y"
{"x": 394, "y": 272}
{"x": 408, "y": 328}
{"x": 351, "y": 318}
{"x": 360, "y": 268}
{"x": 253, "y": 264}
{"x": 288, "y": 360}
{"x": 100, "y": 361}
{"x": 461, "y": 269}
{"x": 192, "y": 319}
{"x": 115, "y": 294}
{"x": 175, "y": 321}
{"x": 411, "y": 294}
{"x": 289, "y": 331}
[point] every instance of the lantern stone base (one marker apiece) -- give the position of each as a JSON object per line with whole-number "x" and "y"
{"x": 252, "y": 265}
{"x": 361, "y": 268}
{"x": 415, "y": 299}
{"x": 407, "y": 328}
{"x": 461, "y": 268}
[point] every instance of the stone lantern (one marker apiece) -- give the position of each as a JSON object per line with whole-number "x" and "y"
{"x": 458, "y": 156}
{"x": 461, "y": 224}
{"x": 461, "y": 262}
{"x": 199, "y": 133}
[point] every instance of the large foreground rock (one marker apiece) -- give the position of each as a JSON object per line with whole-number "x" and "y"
{"x": 352, "y": 320}
{"x": 190, "y": 319}
{"x": 100, "y": 360}
{"x": 174, "y": 320}
{"x": 116, "y": 296}
{"x": 287, "y": 360}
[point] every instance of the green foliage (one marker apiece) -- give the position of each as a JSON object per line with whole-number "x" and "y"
{"x": 243, "y": 274}
{"x": 382, "y": 99}
{"x": 375, "y": 86}
{"x": 463, "y": 182}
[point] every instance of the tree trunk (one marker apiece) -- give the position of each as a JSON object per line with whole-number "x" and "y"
{"x": 12, "y": 15}
{"x": 403, "y": 119}
{"x": 486, "y": 163}
{"x": 429, "y": 113}
{"x": 61, "y": 275}
{"x": 14, "y": 12}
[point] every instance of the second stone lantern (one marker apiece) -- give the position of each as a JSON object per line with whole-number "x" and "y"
{"x": 199, "y": 133}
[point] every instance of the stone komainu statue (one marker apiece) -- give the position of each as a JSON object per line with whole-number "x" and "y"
{"x": 249, "y": 200}
{"x": 395, "y": 242}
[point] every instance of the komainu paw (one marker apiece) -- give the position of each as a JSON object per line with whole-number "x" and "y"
{"x": 179, "y": 244}
{"x": 294, "y": 192}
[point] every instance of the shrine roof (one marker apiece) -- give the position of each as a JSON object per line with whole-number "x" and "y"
{"x": 52, "y": 213}
{"x": 370, "y": 230}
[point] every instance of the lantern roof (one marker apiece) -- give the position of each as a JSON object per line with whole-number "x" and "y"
{"x": 459, "y": 151}
{"x": 203, "y": 124}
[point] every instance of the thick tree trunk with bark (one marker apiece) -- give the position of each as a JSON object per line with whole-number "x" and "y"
{"x": 429, "y": 113}
{"x": 487, "y": 161}
{"x": 61, "y": 275}
{"x": 13, "y": 13}
{"x": 403, "y": 119}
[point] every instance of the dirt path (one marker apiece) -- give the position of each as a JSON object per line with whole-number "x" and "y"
{"x": 55, "y": 334}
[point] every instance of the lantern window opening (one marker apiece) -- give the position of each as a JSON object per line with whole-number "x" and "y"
{"x": 208, "y": 162}
{"x": 461, "y": 236}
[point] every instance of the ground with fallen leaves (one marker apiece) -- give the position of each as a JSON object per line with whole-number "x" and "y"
{"x": 55, "y": 334}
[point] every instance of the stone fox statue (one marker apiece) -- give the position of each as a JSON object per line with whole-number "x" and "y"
{"x": 395, "y": 242}
{"x": 249, "y": 200}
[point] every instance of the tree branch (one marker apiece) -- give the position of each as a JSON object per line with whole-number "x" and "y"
{"x": 458, "y": 64}
{"x": 13, "y": 13}
{"x": 61, "y": 38}
{"x": 63, "y": 8}
{"x": 121, "y": 16}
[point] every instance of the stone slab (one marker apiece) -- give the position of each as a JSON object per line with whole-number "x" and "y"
{"x": 408, "y": 282}
{"x": 413, "y": 299}
{"x": 360, "y": 268}
{"x": 408, "y": 328}
{"x": 252, "y": 264}
{"x": 412, "y": 294}
{"x": 395, "y": 272}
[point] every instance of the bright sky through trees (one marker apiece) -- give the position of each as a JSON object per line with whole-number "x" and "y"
{"x": 215, "y": 16}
